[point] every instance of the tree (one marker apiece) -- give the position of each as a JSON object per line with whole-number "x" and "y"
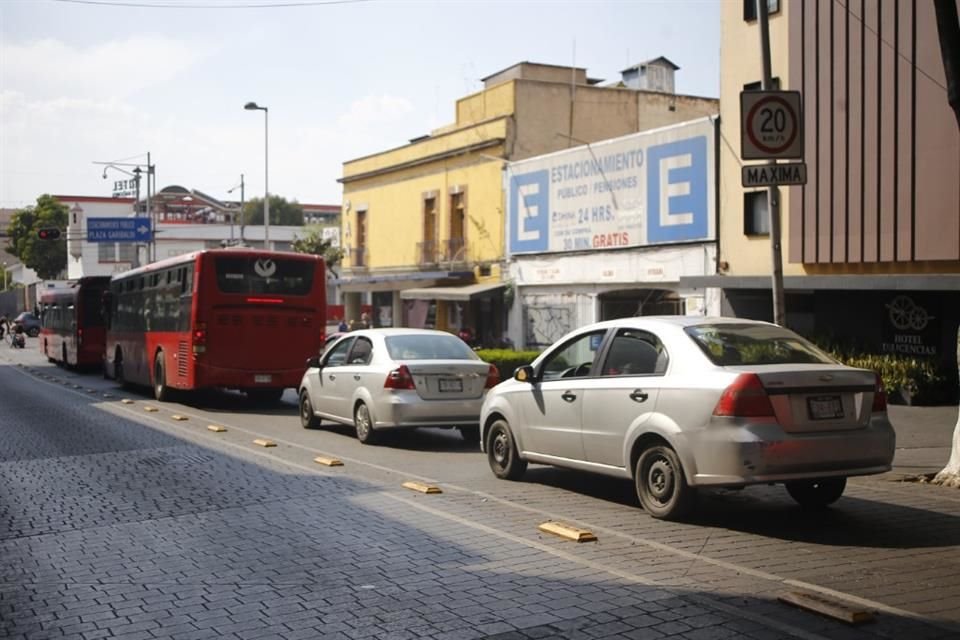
{"x": 948, "y": 30}
{"x": 281, "y": 212}
{"x": 47, "y": 257}
{"x": 313, "y": 243}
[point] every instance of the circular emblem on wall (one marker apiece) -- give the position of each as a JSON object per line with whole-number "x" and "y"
{"x": 265, "y": 267}
{"x": 906, "y": 314}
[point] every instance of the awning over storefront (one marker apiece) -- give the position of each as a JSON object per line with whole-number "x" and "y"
{"x": 890, "y": 282}
{"x": 454, "y": 294}
{"x": 410, "y": 276}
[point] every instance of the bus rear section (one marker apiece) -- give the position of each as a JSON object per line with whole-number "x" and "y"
{"x": 257, "y": 318}
{"x": 74, "y": 332}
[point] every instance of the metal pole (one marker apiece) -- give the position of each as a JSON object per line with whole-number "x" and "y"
{"x": 153, "y": 225}
{"x": 266, "y": 183}
{"x": 773, "y": 193}
{"x": 243, "y": 242}
{"x": 136, "y": 213}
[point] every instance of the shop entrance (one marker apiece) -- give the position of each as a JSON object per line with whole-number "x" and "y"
{"x": 630, "y": 303}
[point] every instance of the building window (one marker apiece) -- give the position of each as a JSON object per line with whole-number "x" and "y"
{"x": 428, "y": 247}
{"x": 359, "y": 258}
{"x": 456, "y": 245}
{"x": 758, "y": 85}
{"x": 126, "y": 252}
{"x": 756, "y": 220}
{"x": 106, "y": 252}
{"x": 750, "y": 9}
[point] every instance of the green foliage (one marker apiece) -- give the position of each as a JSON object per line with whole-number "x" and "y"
{"x": 313, "y": 243}
{"x": 914, "y": 380}
{"x": 282, "y": 212}
{"x": 47, "y": 257}
{"x": 507, "y": 360}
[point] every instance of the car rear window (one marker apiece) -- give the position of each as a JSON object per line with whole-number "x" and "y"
{"x": 731, "y": 344}
{"x": 429, "y": 347}
{"x": 250, "y": 274}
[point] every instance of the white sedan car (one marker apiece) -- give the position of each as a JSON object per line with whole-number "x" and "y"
{"x": 380, "y": 379}
{"x": 681, "y": 402}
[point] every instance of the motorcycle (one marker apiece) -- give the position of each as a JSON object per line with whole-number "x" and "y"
{"x": 17, "y": 341}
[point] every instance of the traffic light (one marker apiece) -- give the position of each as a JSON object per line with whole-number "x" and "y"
{"x": 51, "y": 233}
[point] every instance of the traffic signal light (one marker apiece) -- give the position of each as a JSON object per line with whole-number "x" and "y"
{"x": 49, "y": 234}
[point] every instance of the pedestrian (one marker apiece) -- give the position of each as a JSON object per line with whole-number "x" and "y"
{"x": 342, "y": 327}
{"x": 4, "y": 325}
{"x": 365, "y": 320}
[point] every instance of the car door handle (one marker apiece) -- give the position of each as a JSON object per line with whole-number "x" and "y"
{"x": 569, "y": 396}
{"x": 332, "y": 377}
{"x": 356, "y": 377}
{"x": 639, "y": 395}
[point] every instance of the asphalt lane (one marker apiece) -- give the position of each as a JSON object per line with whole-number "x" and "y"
{"x": 115, "y": 521}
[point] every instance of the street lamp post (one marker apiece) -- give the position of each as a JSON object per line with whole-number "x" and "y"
{"x": 253, "y": 106}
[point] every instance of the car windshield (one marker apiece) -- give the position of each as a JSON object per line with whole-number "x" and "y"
{"x": 429, "y": 347}
{"x": 731, "y": 344}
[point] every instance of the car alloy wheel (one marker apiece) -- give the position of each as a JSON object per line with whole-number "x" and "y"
{"x": 307, "y": 419}
{"x": 364, "y": 424}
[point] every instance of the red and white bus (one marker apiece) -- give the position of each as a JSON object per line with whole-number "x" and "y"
{"x": 224, "y": 318}
{"x": 73, "y": 328}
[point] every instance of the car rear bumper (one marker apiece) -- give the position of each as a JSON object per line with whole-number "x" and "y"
{"x": 736, "y": 454}
{"x": 403, "y": 411}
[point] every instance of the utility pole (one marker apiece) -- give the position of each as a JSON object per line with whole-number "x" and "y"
{"x": 773, "y": 193}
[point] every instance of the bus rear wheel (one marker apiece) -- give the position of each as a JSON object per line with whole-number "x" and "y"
{"x": 118, "y": 370}
{"x": 161, "y": 391}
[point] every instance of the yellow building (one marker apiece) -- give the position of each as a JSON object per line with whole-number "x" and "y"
{"x": 423, "y": 224}
{"x": 871, "y": 242}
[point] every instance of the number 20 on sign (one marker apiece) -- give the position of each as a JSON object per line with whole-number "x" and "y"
{"x": 771, "y": 125}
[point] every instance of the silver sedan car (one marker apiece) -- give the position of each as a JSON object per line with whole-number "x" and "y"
{"x": 380, "y": 379}
{"x": 680, "y": 402}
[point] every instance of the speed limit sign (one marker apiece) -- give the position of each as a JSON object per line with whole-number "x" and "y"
{"x": 771, "y": 125}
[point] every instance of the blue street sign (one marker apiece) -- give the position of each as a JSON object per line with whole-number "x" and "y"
{"x": 118, "y": 230}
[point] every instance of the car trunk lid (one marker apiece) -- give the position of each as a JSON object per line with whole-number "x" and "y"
{"x": 448, "y": 379}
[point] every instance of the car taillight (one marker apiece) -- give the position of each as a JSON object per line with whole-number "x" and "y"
{"x": 493, "y": 377}
{"x": 399, "y": 378}
{"x": 200, "y": 338}
{"x": 746, "y": 397}
{"x": 879, "y": 396}
{"x": 79, "y": 337}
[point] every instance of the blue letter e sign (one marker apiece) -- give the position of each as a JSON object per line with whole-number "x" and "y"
{"x": 677, "y": 191}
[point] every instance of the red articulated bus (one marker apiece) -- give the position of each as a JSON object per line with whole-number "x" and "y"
{"x": 224, "y": 318}
{"x": 73, "y": 330}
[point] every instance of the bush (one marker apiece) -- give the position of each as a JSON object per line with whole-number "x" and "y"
{"x": 906, "y": 380}
{"x": 507, "y": 360}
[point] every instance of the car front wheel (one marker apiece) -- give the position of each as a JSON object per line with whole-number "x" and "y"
{"x": 661, "y": 486}
{"x": 502, "y": 454}
{"x": 816, "y": 494}
{"x": 307, "y": 418}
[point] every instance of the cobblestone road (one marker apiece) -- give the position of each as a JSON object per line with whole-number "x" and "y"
{"x": 119, "y": 525}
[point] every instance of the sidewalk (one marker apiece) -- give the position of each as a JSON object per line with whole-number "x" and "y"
{"x": 923, "y": 439}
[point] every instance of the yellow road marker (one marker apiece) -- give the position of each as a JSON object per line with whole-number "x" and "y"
{"x": 150, "y": 409}
{"x": 330, "y": 462}
{"x": 178, "y": 417}
{"x": 421, "y": 487}
{"x": 107, "y": 395}
{"x": 76, "y": 386}
{"x": 830, "y": 607}
{"x": 264, "y": 443}
{"x": 567, "y": 531}
{"x": 91, "y": 390}
{"x": 127, "y": 401}
{"x": 216, "y": 428}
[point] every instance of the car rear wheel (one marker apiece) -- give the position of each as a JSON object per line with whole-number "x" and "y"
{"x": 118, "y": 371}
{"x": 307, "y": 418}
{"x": 816, "y": 494}
{"x": 502, "y": 454}
{"x": 661, "y": 486}
{"x": 364, "y": 424}
{"x": 33, "y": 333}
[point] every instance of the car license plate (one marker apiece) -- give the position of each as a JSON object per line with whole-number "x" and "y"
{"x": 825, "y": 407}
{"x": 451, "y": 384}
{"x": 263, "y": 379}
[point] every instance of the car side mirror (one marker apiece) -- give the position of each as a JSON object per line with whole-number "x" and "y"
{"x": 313, "y": 362}
{"x": 524, "y": 374}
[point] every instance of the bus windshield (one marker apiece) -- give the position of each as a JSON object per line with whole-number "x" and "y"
{"x": 250, "y": 274}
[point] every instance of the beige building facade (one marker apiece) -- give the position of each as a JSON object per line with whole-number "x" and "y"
{"x": 423, "y": 224}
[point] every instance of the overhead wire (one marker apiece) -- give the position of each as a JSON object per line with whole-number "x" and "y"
{"x": 232, "y": 4}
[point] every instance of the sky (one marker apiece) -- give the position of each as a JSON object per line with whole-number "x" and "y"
{"x": 88, "y": 81}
